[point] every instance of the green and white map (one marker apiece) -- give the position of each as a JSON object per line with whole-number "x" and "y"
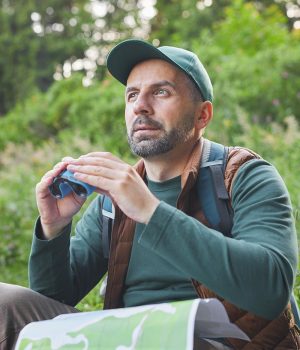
{"x": 120, "y": 329}
{"x": 158, "y": 326}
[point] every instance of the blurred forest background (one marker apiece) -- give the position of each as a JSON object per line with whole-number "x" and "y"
{"x": 57, "y": 99}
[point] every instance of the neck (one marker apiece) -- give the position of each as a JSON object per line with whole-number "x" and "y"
{"x": 169, "y": 165}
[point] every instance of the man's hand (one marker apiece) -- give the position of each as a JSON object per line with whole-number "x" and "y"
{"x": 55, "y": 213}
{"x": 119, "y": 180}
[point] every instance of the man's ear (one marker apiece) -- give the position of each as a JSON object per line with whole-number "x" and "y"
{"x": 204, "y": 115}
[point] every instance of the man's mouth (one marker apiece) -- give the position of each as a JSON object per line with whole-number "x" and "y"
{"x": 144, "y": 128}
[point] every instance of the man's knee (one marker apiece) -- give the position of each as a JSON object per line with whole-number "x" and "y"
{"x": 15, "y": 299}
{"x": 11, "y": 294}
{"x": 28, "y": 304}
{"x": 20, "y": 306}
{"x": 13, "y": 318}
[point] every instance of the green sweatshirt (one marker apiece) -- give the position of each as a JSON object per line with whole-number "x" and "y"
{"x": 254, "y": 270}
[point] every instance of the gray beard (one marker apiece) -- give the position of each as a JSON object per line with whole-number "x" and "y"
{"x": 147, "y": 147}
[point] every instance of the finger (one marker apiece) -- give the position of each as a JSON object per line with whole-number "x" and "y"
{"x": 104, "y": 168}
{"x": 97, "y": 154}
{"x": 103, "y": 155}
{"x": 45, "y": 182}
{"x": 94, "y": 170}
{"x": 97, "y": 161}
{"x": 48, "y": 177}
{"x": 102, "y": 183}
{"x": 109, "y": 179}
{"x": 60, "y": 165}
{"x": 57, "y": 169}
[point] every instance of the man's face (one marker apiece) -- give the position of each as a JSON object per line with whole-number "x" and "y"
{"x": 160, "y": 111}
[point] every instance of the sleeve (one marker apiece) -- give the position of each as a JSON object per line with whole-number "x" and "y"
{"x": 65, "y": 268}
{"x": 255, "y": 269}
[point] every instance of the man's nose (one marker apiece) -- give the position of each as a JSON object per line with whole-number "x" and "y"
{"x": 143, "y": 105}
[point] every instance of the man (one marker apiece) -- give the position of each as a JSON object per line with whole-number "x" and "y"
{"x": 159, "y": 252}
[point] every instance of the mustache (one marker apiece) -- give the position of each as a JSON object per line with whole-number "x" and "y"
{"x": 144, "y": 120}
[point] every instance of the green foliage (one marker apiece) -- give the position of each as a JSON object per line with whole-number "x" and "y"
{"x": 266, "y": 85}
{"x": 191, "y": 20}
{"x": 37, "y": 38}
{"x": 96, "y": 111}
{"x": 33, "y": 46}
{"x": 249, "y": 30}
{"x": 93, "y": 112}
{"x": 194, "y": 18}
{"x": 251, "y": 67}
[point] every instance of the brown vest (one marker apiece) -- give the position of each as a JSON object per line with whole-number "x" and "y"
{"x": 281, "y": 333}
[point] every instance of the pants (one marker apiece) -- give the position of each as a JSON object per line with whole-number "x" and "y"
{"x": 19, "y": 306}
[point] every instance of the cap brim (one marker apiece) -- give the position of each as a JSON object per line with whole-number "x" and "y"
{"x": 129, "y": 53}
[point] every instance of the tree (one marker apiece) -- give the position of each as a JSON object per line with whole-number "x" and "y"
{"x": 35, "y": 36}
{"x": 178, "y": 22}
{"x": 253, "y": 61}
{"x": 42, "y": 39}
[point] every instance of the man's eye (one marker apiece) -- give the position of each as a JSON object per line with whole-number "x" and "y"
{"x": 162, "y": 92}
{"x": 131, "y": 96}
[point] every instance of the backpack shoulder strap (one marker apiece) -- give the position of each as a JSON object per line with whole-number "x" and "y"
{"x": 211, "y": 190}
{"x": 108, "y": 215}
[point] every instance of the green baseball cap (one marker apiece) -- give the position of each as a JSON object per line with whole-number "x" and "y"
{"x": 124, "y": 56}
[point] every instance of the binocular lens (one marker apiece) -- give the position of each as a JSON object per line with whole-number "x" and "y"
{"x": 55, "y": 189}
{"x": 78, "y": 189}
{"x": 61, "y": 187}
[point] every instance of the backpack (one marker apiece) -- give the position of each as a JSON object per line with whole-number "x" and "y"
{"x": 213, "y": 197}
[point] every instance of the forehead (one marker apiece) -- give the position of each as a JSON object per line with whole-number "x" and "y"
{"x": 154, "y": 69}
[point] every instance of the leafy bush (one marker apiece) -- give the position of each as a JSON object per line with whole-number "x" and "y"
{"x": 253, "y": 62}
{"x": 93, "y": 112}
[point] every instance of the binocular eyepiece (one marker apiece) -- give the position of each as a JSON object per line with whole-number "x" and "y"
{"x": 65, "y": 182}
